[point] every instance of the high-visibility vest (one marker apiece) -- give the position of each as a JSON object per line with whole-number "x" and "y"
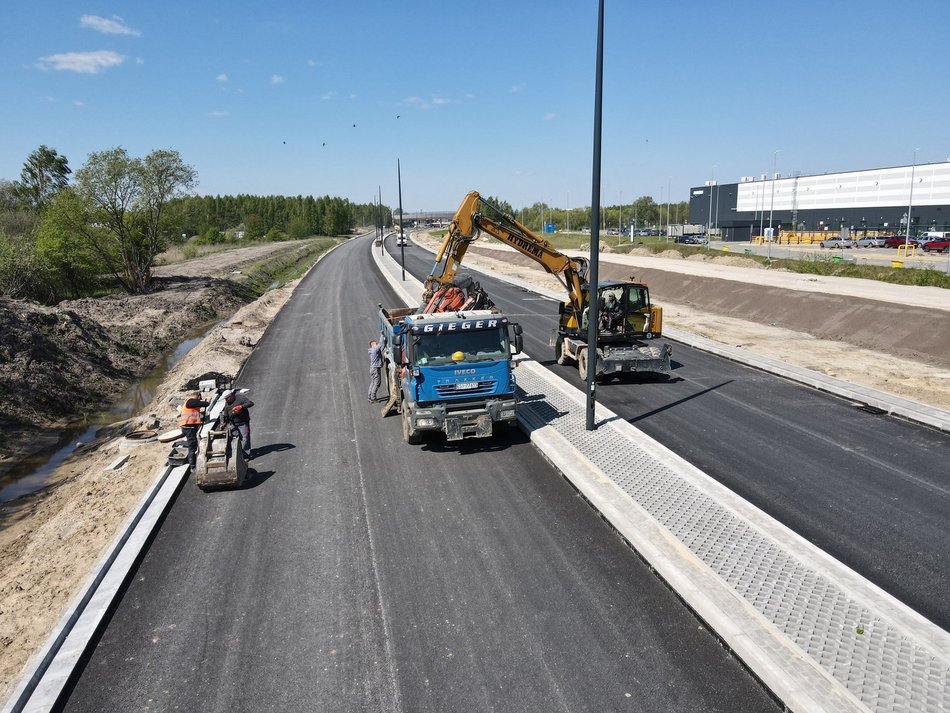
{"x": 190, "y": 416}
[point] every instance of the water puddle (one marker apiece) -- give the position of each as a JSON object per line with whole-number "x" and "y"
{"x": 35, "y": 471}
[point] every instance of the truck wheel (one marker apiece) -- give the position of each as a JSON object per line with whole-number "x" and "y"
{"x": 411, "y": 437}
{"x": 559, "y": 351}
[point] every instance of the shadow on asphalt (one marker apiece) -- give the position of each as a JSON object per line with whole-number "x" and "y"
{"x": 436, "y": 443}
{"x": 271, "y": 448}
{"x": 679, "y": 401}
{"x": 255, "y": 478}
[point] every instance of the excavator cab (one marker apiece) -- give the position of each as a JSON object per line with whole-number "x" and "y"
{"x": 624, "y": 309}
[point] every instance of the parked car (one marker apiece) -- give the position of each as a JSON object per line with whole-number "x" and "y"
{"x": 691, "y": 239}
{"x": 922, "y": 240}
{"x": 937, "y": 246}
{"x": 837, "y": 243}
{"x": 869, "y": 242}
{"x": 896, "y": 241}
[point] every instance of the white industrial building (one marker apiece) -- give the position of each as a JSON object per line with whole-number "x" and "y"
{"x": 869, "y": 200}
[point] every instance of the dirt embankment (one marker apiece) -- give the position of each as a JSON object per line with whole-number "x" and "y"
{"x": 51, "y": 540}
{"x": 58, "y": 364}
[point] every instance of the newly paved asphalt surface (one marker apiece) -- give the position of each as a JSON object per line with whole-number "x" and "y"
{"x": 871, "y": 490}
{"x": 357, "y": 573}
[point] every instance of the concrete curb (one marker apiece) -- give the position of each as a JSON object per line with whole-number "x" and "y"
{"x": 52, "y": 668}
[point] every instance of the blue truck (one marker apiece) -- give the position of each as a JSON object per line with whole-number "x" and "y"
{"x": 450, "y": 372}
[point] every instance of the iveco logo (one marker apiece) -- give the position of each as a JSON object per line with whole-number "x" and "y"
{"x": 463, "y": 372}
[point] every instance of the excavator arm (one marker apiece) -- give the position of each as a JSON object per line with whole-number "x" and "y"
{"x": 474, "y": 215}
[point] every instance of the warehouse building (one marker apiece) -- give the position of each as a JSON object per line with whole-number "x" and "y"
{"x": 872, "y": 200}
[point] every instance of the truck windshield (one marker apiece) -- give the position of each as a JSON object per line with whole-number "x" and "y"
{"x": 457, "y": 347}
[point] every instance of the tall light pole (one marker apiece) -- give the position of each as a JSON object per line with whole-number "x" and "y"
{"x": 669, "y": 180}
{"x": 772, "y": 203}
{"x": 620, "y": 220}
{"x": 910, "y": 202}
{"x": 712, "y": 182}
{"x": 402, "y": 236}
{"x": 592, "y": 301}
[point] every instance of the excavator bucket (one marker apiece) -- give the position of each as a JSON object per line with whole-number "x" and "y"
{"x": 221, "y": 463}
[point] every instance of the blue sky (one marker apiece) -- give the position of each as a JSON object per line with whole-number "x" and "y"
{"x": 322, "y": 97}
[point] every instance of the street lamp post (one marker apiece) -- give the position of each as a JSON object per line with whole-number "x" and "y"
{"x": 669, "y": 180}
{"x": 593, "y": 316}
{"x": 910, "y": 202}
{"x": 402, "y": 236}
{"x": 772, "y": 203}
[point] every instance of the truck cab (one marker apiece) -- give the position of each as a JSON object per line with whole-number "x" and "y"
{"x": 451, "y": 372}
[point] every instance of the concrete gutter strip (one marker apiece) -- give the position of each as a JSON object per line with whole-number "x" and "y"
{"x": 819, "y": 636}
{"x": 44, "y": 681}
{"x": 785, "y": 669}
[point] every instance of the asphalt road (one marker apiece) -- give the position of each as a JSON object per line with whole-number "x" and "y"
{"x": 871, "y": 490}
{"x": 358, "y": 573}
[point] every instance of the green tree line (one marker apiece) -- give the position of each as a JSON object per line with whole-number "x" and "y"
{"x": 65, "y": 235}
{"x": 274, "y": 216}
{"x": 646, "y": 213}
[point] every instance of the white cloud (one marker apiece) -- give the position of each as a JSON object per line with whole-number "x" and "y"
{"x": 139, "y": 60}
{"x": 277, "y": 79}
{"x": 218, "y": 114}
{"x": 425, "y": 104}
{"x": 550, "y": 116}
{"x": 107, "y": 26}
{"x": 83, "y": 62}
{"x": 514, "y": 89}
{"x": 328, "y": 96}
{"x": 79, "y": 103}
{"x": 312, "y": 62}
{"x": 222, "y": 77}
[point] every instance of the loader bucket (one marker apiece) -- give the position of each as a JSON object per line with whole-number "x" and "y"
{"x": 220, "y": 465}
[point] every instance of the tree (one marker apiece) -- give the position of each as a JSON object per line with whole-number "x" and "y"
{"x": 298, "y": 228}
{"x": 253, "y": 227}
{"x": 123, "y": 199}
{"x": 72, "y": 265}
{"x": 44, "y": 174}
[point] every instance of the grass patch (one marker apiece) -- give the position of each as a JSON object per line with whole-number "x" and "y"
{"x": 285, "y": 267}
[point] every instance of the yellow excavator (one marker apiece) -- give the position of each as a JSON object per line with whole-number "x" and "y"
{"x": 629, "y": 322}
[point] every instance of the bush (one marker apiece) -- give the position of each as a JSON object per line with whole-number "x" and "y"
{"x": 211, "y": 236}
{"x": 18, "y": 266}
{"x": 274, "y": 235}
